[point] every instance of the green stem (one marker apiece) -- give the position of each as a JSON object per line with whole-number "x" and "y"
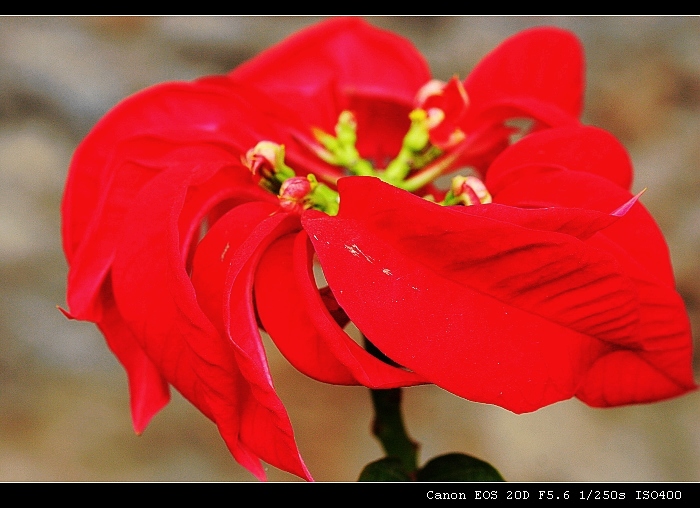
{"x": 388, "y": 426}
{"x": 389, "y": 429}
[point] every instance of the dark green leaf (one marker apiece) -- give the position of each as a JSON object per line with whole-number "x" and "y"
{"x": 388, "y": 469}
{"x": 457, "y": 467}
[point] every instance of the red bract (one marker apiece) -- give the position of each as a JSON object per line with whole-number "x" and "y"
{"x": 560, "y": 287}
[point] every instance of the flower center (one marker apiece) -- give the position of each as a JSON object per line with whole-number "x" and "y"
{"x": 430, "y": 148}
{"x": 418, "y": 162}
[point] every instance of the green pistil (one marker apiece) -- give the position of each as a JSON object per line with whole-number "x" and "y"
{"x": 428, "y": 174}
{"x": 417, "y": 155}
{"x": 341, "y": 150}
{"x": 413, "y": 154}
{"x": 322, "y": 197}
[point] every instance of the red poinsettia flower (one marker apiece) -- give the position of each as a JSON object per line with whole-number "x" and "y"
{"x": 193, "y": 214}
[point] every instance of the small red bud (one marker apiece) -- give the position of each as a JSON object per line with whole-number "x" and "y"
{"x": 293, "y": 194}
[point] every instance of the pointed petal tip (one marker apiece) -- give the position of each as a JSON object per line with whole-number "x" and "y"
{"x": 66, "y": 313}
{"x": 139, "y": 424}
{"x": 144, "y": 406}
{"x": 622, "y": 210}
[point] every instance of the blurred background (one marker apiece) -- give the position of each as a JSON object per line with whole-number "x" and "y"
{"x": 64, "y": 413}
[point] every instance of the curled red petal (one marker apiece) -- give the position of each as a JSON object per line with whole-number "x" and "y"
{"x": 264, "y": 423}
{"x": 188, "y": 113}
{"x": 89, "y": 284}
{"x": 465, "y": 298}
{"x": 222, "y": 277}
{"x": 581, "y": 167}
{"x": 660, "y": 363}
{"x": 537, "y": 73}
{"x": 541, "y": 185}
{"x": 143, "y": 135}
{"x": 175, "y": 123}
{"x": 95, "y": 253}
{"x": 213, "y": 255}
{"x": 155, "y": 296}
{"x": 286, "y": 319}
{"x": 579, "y": 148}
{"x": 294, "y": 314}
{"x": 158, "y": 120}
